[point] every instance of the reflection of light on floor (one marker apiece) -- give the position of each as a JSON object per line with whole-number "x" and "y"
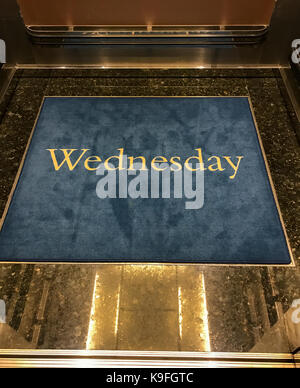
{"x": 117, "y": 314}
{"x": 204, "y": 314}
{"x": 92, "y": 324}
{"x": 181, "y": 302}
{"x": 158, "y": 270}
{"x": 180, "y": 312}
{"x": 187, "y": 323}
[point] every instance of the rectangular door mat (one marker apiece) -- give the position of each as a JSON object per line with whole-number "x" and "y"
{"x": 144, "y": 179}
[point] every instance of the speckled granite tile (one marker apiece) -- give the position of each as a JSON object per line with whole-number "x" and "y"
{"x": 205, "y": 88}
{"x": 15, "y": 128}
{"x": 158, "y": 73}
{"x": 7, "y": 97}
{"x": 281, "y": 147}
{"x": 289, "y": 106}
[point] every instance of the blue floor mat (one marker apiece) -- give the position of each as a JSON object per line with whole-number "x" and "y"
{"x": 56, "y": 214}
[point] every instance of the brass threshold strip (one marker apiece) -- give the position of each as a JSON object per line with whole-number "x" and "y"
{"x": 68, "y": 66}
{"x": 141, "y": 359}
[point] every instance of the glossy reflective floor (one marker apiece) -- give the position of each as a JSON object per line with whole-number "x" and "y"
{"x": 155, "y": 307}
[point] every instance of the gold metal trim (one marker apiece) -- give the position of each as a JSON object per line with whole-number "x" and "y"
{"x": 199, "y": 264}
{"x": 159, "y": 359}
{"x": 148, "y": 67}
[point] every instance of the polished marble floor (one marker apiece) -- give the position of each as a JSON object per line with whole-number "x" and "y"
{"x": 154, "y": 307}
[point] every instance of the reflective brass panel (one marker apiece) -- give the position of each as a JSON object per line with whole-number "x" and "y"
{"x": 145, "y": 12}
